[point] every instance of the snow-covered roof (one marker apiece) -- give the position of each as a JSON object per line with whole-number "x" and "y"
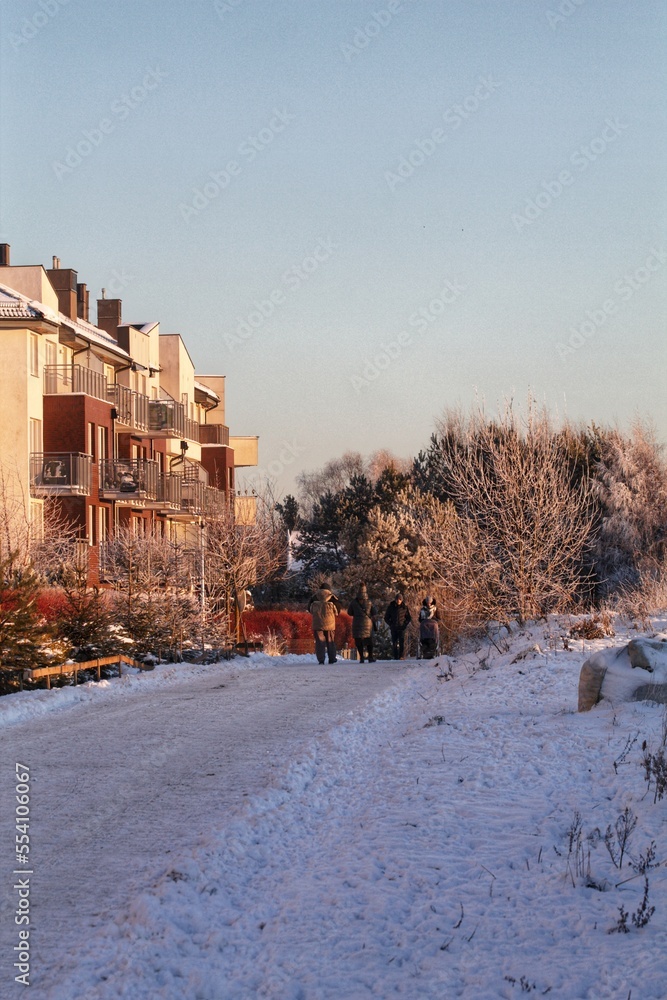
{"x": 205, "y": 389}
{"x": 144, "y": 327}
{"x": 14, "y": 305}
{"x": 94, "y": 336}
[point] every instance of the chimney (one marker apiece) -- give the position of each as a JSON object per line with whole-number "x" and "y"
{"x": 64, "y": 284}
{"x": 82, "y": 302}
{"x": 4, "y": 254}
{"x": 109, "y": 313}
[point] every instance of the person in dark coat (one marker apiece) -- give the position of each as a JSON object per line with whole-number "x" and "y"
{"x": 428, "y": 627}
{"x": 398, "y": 617}
{"x": 363, "y": 620}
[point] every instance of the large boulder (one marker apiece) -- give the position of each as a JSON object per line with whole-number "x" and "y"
{"x": 636, "y": 672}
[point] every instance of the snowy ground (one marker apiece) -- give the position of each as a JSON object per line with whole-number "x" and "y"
{"x": 415, "y": 847}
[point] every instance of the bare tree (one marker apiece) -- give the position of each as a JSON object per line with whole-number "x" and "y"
{"x": 244, "y": 545}
{"x": 517, "y": 521}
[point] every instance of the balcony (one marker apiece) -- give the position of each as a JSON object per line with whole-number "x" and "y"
{"x": 245, "y": 509}
{"x": 191, "y": 430}
{"x": 193, "y": 498}
{"x": 215, "y": 501}
{"x": 170, "y": 492}
{"x": 131, "y": 408}
{"x": 213, "y": 434}
{"x": 131, "y": 481}
{"x": 245, "y": 451}
{"x": 74, "y": 378}
{"x": 60, "y": 474}
{"x": 166, "y": 418}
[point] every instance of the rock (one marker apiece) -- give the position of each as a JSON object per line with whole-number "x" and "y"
{"x": 648, "y": 654}
{"x": 651, "y": 692}
{"x": 618, "y": 675}
{"x": 590, "y": 683}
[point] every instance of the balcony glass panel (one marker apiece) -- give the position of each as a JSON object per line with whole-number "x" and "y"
{"x": 60, "y": 473}
{"x": 128, "y": 479}
{"x": 166, "y": 417}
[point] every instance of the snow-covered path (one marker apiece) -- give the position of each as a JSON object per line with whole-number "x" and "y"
{"x": 121, "y": 783}
{"x": 423, "y": 845}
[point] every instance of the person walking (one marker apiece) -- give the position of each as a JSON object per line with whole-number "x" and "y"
{"x": 428, "y": 627}
{"x": 324, "y": 607}
{"x": 398, "y": 617}
{"x": 363, "y": 621}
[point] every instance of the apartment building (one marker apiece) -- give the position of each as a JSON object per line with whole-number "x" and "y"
{"x": 108, "y": 420}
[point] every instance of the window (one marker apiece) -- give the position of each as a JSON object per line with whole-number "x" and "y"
{"x": 102, "y": 442}
{"x": 36, "y": 435}
{"x": 91, "y": 524}
{"x": 51, "y": 353}
{"x": 91, "y": 440}
{"x": 34, "y": 354}
{"x": 102, "y": 524}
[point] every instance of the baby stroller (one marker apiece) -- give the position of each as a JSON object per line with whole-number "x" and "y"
{"x": 429, "y": 634}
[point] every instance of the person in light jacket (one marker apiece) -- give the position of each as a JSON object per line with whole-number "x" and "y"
{"x": 324, "y": 607}
{"x": 363, "y": 620}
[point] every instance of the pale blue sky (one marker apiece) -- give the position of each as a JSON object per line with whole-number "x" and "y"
{"x": 397, "y": 148}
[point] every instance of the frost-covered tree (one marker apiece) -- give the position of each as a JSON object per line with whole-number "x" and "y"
{"x": 631, "y": 477}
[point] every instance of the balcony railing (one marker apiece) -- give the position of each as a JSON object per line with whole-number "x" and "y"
{"x": 64, "y": 473}
{"x": 170, "y": 491}
{"x": 191, "y": 430}
{"x": 166, "y": 417}
{"x": 74, "y": 378}
{"x": 129, "y": 479}
{"x": 193, "y": 497}
{"x": 215, "y": 501}
{"x": 131, "y": 407}
{"x": 213, "y": 434}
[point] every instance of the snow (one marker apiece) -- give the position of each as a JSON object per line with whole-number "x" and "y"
{"x": 417, "y": 846}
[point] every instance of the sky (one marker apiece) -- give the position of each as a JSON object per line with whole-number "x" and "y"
{"x": 360, "y": 212}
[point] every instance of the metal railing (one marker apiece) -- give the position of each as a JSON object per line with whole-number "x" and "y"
{"x": 193, "y": 498}
{"x": 213, "y": 434}
{"x": 170, "y": 490}
{"x": 131, "y": 407}
{"x": 191, "y": 430}
{"x": 125, "y": 479}
{"x": 167, "y": 417}
{"x": 66, "y": 473}
{"x": 215, "y": 501}
{"x": 74, "y": 378}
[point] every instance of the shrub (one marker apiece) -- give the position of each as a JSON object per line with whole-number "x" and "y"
{"x": 294, "y": 628}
